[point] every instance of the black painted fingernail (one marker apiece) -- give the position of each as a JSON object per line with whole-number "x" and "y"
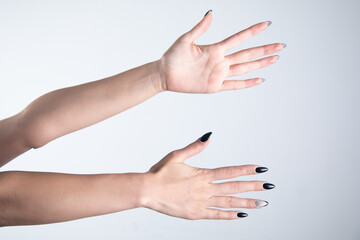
{"x": 242, "y": 214}
{"x": 284, "y": 45}
{"x": 268, "y": 186}
{"x": 205, "y": 137}
{"x": 208, "y": 12}
{"x": 268, "y": 23}
{"x": 261, "y": 169}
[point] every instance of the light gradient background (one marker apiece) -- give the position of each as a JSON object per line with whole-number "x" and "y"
{"x": 302, "y": 123}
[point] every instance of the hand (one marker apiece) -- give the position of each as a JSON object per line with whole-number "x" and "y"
{"x": 190, "y": 68}
{"x": 177, "y": 189}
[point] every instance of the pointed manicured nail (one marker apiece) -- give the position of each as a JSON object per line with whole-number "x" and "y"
{"x": 268, "y": 23}
{"x": 242, "y": 214}
{"x": 208, "y": 12}
{"x": 284, "y": 45}
{"x": 205, "y": 137}
{"x": 261, "y": 203}
{"x": 277, "y": 56}
{"x": 261, "y": 169}
{"x": 268, "y": 186}
{"x": 263, "y": 79}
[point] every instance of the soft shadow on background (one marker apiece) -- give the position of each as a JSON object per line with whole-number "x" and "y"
{"x": 302, "y": 123}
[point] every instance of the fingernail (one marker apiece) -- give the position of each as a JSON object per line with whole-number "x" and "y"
{"x": 208, "y": 12}
{"x": 277, "y": 57}
{"x": 268, "y": 23}
{"x": 268, "y": 186}
{"x": 205, "y": 137}
{"x": 261, "y": 169}
{"x": 261, "y": 203}
{"x": 242, "y": 214}
{"x": 284, "y": 45}
{"x": 263, "y": 79}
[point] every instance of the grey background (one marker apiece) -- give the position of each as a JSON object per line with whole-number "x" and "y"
{"x": 302, "y": 123}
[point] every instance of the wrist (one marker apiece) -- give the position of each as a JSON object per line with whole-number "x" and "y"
{"x": 144, "y": 198}
{"x": 158, "y": 77}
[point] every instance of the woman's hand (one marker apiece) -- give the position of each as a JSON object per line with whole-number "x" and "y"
{"x": 190, "y": 68}
{"x": 177, "y": 189}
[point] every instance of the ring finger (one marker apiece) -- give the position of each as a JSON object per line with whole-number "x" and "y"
{"x": 234, "y": 202}
{"x": 239, "y": 69}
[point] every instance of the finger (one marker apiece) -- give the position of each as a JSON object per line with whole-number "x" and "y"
{"x": 234, "y": 202}
{"x": 252, "y": 53}
{"x": 240, "y": 84}
{"x": 199, "y": 28}
{"x": 239, "y": 187}
{"x": 194, "y": 148}
{"x": 234, "y": 171}
{"x": 221, "y": 214}
{"x": 242, "y": 68}
{"x": 243, "y": 35}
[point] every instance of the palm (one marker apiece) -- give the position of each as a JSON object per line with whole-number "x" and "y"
{"x": 193, "y": 68}
{"x": 190, "y": 68}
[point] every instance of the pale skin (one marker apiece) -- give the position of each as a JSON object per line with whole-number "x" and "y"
{"x": 171, "y": 186}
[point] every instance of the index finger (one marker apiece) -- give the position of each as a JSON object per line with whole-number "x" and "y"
{"x": 243, "y": 35}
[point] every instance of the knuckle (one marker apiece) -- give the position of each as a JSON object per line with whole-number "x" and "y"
{"x": 186, "y": 37}
{"x": 229, "y": 171}
{"x": 174, "y": 154}
{"x": 217, "y": 214}
{"x": 249, "y": 170}
{"x": 249, "y": 203}
{"x": 235, "y": 187}
{"x": 259, "y": 186}
{"x": 207, "y": 174}
{"x": 233, "y": 69}
{"x": 192, "y": 214}
{"x": 196, "y": 145}
{"x": 230, "y": 215}
{"x": 229, "y": 201}
{"x": 250, "y": 54}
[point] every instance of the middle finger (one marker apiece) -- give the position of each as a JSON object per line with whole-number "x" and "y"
{"x": 235, "y": 187}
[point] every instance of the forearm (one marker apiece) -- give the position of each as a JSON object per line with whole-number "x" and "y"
{"x": 66, "y": 110}
{"x": 28, "y": 198}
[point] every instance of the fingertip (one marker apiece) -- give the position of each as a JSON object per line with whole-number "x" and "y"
{"x": 261, "y": 169}
{"x": 208, "y": 12}
{"x": 261, "y": 203}
{"x": 241, "y": 215}
{"x": 268, "y": 186}
{"x": 273, "y": 59}
{"x": 259, "y": 81}
{"x": 205, "y": 137}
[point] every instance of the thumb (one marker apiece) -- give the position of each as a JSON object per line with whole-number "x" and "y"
{"x": 194, "y": 148}
{"x": 201, "y": 27}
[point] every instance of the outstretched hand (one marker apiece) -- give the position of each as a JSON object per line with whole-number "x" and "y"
{"x": 190, "y": 68}
{"x": 177, "y": 189}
